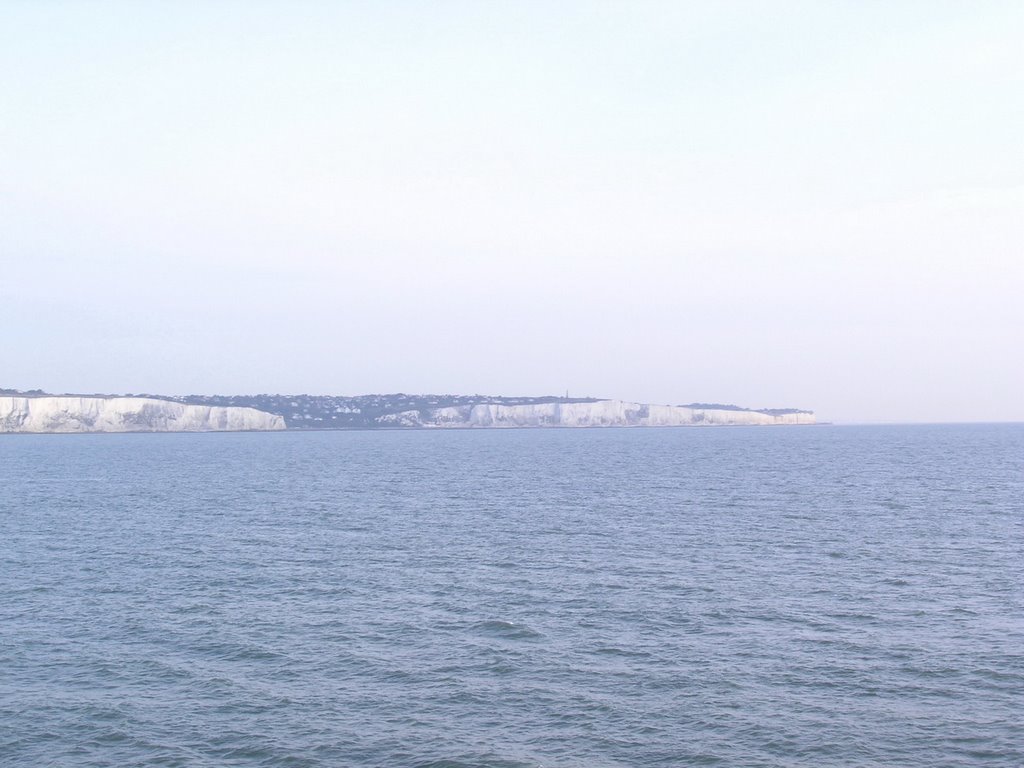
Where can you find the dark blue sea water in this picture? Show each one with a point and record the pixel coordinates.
(825, 596)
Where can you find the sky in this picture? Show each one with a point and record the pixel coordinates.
(773, 204)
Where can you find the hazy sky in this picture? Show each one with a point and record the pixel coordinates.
(813, 204)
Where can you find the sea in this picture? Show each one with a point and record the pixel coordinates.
(744, 596)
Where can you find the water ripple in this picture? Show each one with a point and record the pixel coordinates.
(735, 597)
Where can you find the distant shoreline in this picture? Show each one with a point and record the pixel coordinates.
(39, 412)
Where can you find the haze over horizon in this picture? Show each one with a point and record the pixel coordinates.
(798, 204)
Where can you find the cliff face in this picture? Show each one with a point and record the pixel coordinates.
(72, 413)
(126, 414)
(602, 413)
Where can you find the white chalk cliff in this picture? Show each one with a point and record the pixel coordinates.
(127, 414)
(602, 413)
